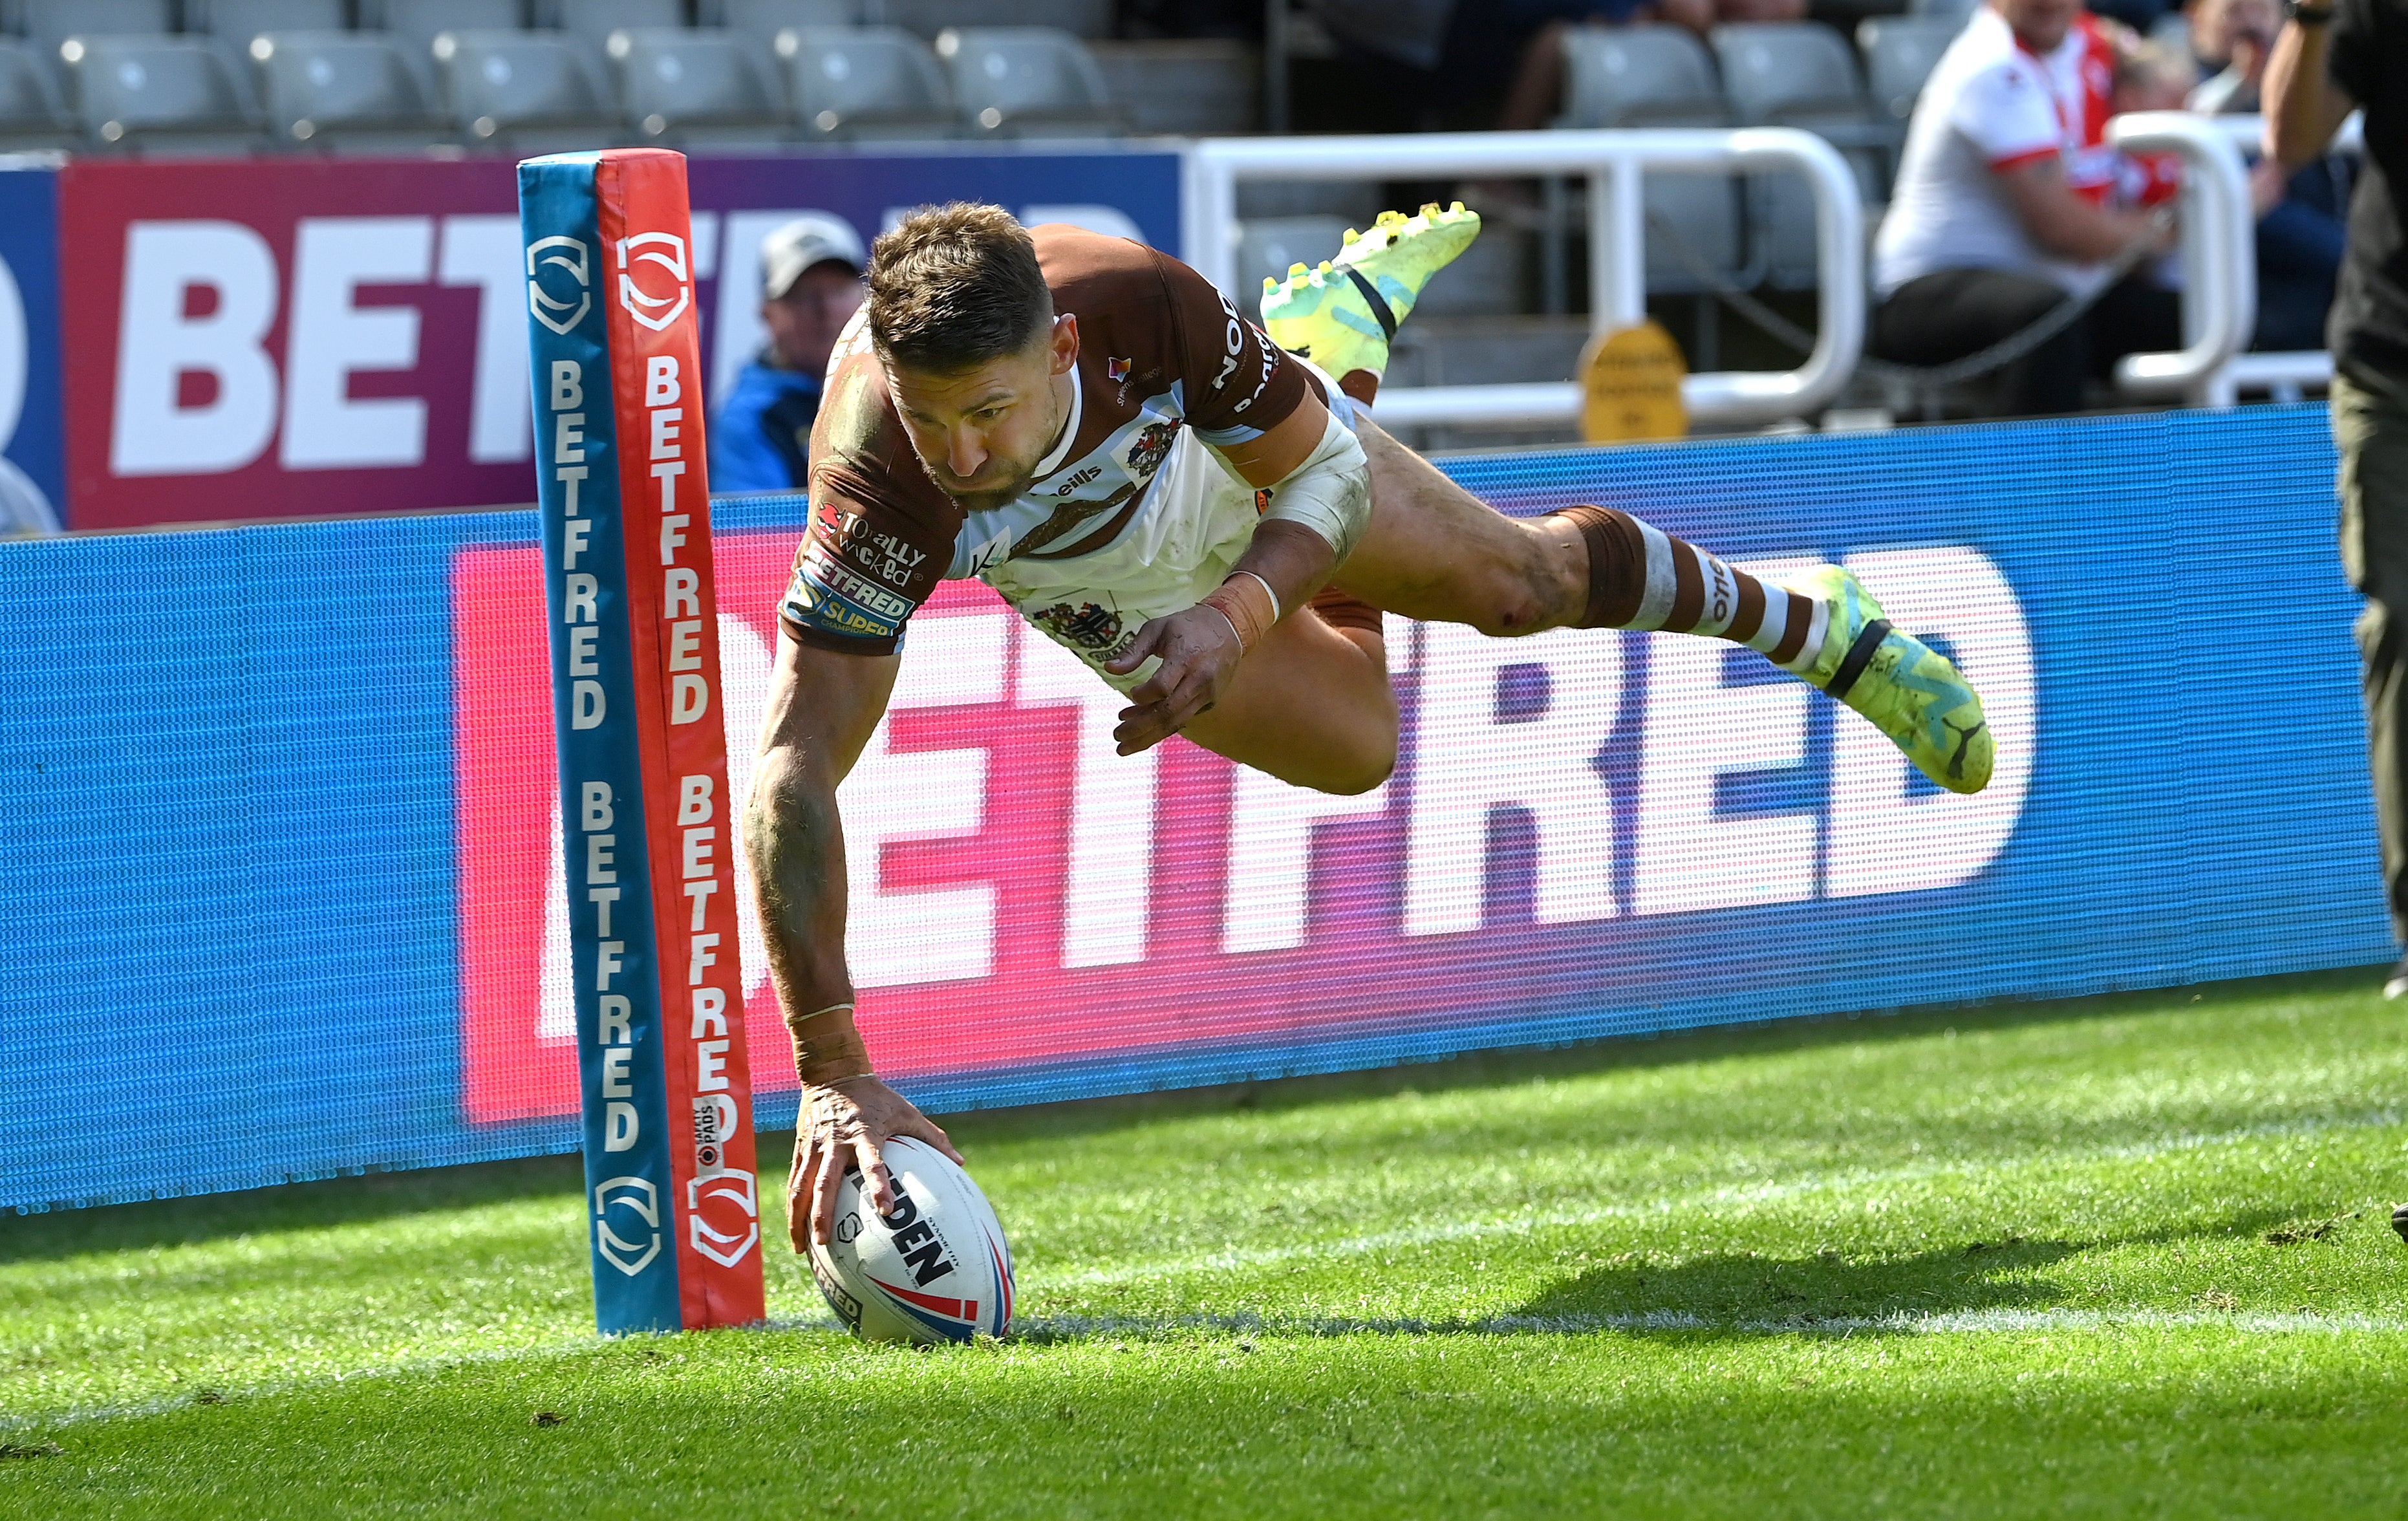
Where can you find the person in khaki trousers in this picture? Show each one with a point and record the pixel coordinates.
(2332, 57)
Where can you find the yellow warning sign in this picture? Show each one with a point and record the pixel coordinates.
(1630, 385)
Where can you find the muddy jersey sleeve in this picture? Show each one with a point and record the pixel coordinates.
(881, 534)
(1239, 385)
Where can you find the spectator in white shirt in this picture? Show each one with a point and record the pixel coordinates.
(1998, 212)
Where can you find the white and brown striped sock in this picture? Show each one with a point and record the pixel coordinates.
(1643, 577)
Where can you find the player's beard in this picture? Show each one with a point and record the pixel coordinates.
(983, 498)
(1012, 478)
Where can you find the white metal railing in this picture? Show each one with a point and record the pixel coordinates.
(2285, 373)
(2218, 254)
(1612, 162)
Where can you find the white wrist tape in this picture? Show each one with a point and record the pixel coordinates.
(1330, 493)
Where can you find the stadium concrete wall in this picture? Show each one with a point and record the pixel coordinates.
(283, 880)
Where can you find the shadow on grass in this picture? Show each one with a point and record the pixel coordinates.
(1726, 1294)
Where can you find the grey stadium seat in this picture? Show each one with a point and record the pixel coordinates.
(1900, 54)
(1024, 82)
(698, 88)
(864, 82)
(932, 19)
(766, 19)
(533, 91)
(1799, 74)
(159, 93)
(591, 21)
(342, 89)
(419, 23)
(239, 21)
(1959, 11)
(1659, 76)
(416, 23)
(32, 115)
(48, 23)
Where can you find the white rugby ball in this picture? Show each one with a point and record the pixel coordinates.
(934, 1268)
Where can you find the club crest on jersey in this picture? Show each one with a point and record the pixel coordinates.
(1151, 447)
(1086, 626)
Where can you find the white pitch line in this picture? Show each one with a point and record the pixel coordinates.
(1230, 1258)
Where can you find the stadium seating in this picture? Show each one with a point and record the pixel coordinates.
(698, 88)
(1899, 52)
(591, 21)
(1798, 74)
(932, 19)
(1952, 10)
(1019, 81)
(342, 91)
(764, 19)
(1659, 76)
(45, 24)
(864, 82)
(32, 116)
(418, 23)
(237, 21)
(159, 93)
(529, 91)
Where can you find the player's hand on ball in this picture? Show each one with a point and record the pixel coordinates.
(1199, 653)
(843, 1123)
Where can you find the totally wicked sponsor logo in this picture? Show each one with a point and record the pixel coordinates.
(1578, 818)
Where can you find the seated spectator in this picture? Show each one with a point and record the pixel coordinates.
(2301, 217)
(1996, 216)
(1500, 63)
(810, 285)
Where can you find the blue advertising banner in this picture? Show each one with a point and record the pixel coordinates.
(282, 869)
(32, 429)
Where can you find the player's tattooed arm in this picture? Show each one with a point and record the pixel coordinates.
(822, 708)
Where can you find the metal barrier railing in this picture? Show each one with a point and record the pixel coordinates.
(2284, 373)
(2219, 257)
(1612, 162)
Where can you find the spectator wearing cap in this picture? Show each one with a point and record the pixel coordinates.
(1998, 212)
(810, 286)
(2331, 57)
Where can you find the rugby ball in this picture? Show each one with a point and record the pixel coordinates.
(934, 1268)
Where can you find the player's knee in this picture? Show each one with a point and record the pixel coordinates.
(1362, 774)
(1367, 757)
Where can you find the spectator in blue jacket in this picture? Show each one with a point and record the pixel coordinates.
(810, 285)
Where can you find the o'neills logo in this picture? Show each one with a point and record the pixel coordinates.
(569, 293)
(665, 250)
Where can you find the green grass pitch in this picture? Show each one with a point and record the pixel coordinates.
(2119, 1257)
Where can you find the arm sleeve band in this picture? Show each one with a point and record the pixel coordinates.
(1330, 493)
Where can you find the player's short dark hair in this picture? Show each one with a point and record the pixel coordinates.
(955, 286)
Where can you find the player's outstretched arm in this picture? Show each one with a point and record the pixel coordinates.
(1280, 571)
(823, 708)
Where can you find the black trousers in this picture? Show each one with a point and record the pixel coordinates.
(2369, 424)
(1950, 313)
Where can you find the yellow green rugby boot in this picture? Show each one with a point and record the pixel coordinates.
(1342, 315)
(1910, 691)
